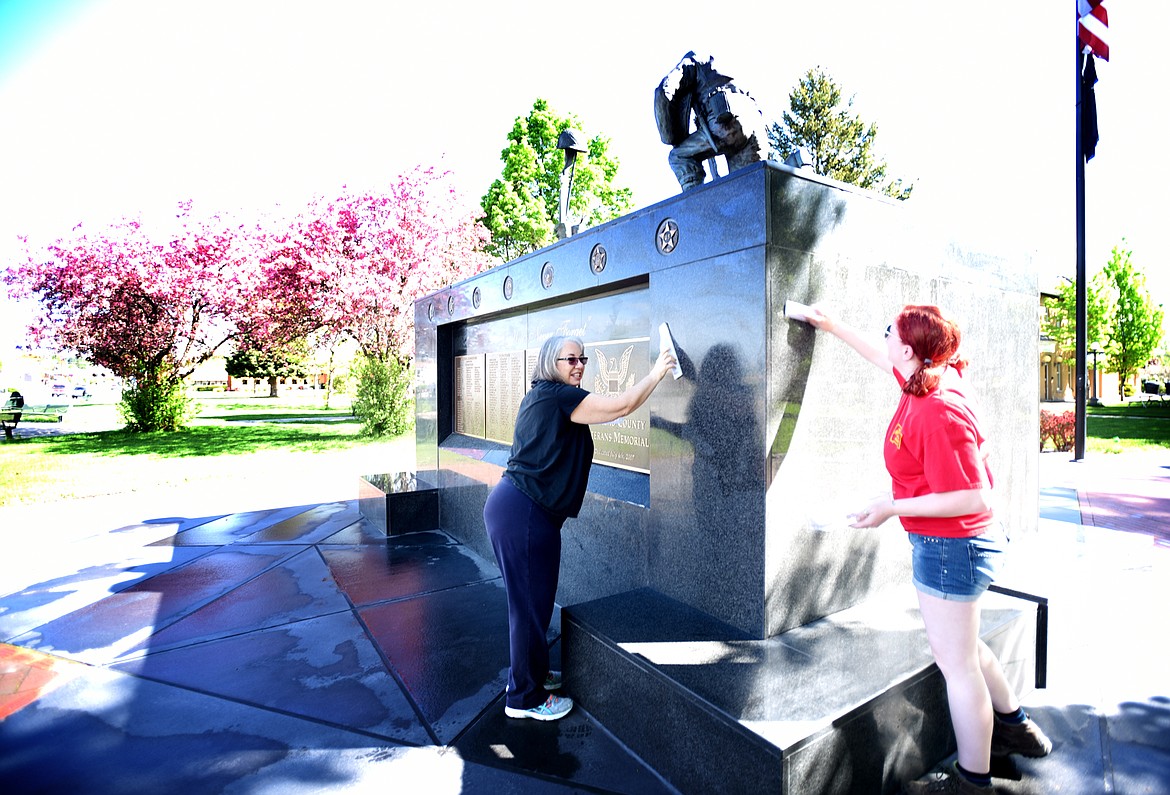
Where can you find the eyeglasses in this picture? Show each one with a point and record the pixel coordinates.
(889, 330)
(572, 360)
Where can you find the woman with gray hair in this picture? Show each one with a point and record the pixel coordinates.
(544, 484)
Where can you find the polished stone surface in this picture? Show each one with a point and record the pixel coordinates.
(41, 603)
(769, 439)
(848, 704)
(229, 529)
(109, 733)
(453, 667)
(306, 649)
(298, 588)
(309, 526)
(321, 668)
(573, 748)
(102, 631)
(398, 502)
(69, 727)
(369, 575)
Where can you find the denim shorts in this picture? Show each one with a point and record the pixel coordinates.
(959, 569)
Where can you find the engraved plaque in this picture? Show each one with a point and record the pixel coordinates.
(614, 366)
(470, 417)
(505, 390)
(489, 390)
(507, 288)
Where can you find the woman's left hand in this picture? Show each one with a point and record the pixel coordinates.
(874, 514)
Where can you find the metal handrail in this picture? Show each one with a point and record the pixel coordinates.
(1041, 629)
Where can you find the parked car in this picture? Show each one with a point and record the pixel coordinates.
(58, 390)
(80, 392)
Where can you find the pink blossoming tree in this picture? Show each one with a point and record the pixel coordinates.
(354, 266)
(149, 310)
(152, 307)
(366, 257)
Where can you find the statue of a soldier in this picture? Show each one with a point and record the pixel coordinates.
(728, 120)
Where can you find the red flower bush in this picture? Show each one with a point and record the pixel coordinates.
(1059, 428)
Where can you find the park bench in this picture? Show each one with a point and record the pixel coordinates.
(12, 413)
(1152, 389)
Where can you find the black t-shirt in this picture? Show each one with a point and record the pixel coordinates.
(551, 454)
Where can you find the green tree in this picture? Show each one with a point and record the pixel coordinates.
(521, 208)
(270, 363)
(1135, 327)
(382, 401)
(1059, 322)
(840, 143)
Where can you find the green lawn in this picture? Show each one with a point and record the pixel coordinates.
(233, 439)
(1128, 426)
(228, 441)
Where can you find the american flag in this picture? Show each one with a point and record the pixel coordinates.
(1092, 27)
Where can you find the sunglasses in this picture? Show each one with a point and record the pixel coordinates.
(572, 360)
(889, 330)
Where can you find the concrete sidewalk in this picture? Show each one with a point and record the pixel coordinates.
(167, 647)
(1102, 557)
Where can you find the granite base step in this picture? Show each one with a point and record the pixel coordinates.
(398, 502)
(851, 703)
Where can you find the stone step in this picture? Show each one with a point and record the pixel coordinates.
(851, 703)
(398, 502)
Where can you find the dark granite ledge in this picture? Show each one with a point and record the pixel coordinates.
(850, 686)
(607, 481)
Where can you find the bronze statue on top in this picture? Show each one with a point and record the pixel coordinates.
(728, 120)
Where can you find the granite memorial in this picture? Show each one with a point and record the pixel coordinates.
(711, 568)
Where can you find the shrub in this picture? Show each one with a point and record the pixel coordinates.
(382, 401)
(1059, 428)
(155, 405)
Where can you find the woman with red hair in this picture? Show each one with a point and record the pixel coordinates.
(942, 494)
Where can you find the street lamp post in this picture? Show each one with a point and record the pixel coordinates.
(573, 143)
(1047, 359)
(1096, 349)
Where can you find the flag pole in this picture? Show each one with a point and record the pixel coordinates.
(1081, 311)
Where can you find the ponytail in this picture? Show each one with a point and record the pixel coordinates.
(934, 340)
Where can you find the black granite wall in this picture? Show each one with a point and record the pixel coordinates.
(774, 433)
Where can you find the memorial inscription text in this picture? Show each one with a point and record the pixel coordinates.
(489, 388)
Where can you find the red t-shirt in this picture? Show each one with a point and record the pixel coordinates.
(934, 445)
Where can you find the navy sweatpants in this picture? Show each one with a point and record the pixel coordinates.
(527, 543)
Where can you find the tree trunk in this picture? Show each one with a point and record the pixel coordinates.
(329, 379)
(272, 386)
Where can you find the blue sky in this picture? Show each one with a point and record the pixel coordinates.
(114, 107)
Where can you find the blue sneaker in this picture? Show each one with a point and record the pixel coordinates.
(553, 681)
(553, 708)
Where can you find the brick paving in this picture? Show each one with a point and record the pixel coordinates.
(1133, 513)
(26, 675)
(1128, 492)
